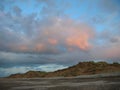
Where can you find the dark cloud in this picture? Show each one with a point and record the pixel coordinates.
(17, 59)
(109, 5)
(115, 40)
(17, 10)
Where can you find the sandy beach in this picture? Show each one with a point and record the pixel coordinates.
(84, 82)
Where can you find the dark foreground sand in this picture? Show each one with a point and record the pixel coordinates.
(87, 82)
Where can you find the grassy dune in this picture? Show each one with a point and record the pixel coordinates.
(82, 68)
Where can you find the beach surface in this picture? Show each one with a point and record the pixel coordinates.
(84, 82)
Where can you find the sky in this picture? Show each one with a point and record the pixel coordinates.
(47, 35)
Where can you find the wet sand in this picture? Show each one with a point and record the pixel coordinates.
(85, 82)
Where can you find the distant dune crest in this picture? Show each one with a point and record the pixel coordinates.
(82, 68)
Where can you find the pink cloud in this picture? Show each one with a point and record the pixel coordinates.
(39, 47)
(69, 33)
(80, 41)
(52, 41)
(65, 32)
(23, 48)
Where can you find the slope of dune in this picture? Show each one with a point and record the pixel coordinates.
(82, 68)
